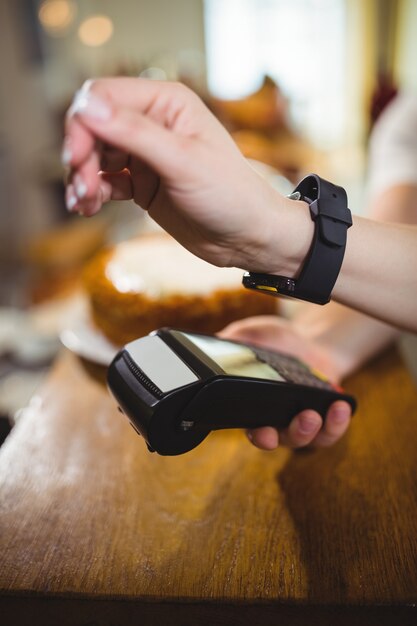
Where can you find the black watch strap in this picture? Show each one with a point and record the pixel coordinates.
(329, 211)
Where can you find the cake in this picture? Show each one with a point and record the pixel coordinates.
(152, 281)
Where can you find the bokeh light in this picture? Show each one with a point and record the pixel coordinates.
(56, 16)
(95, 30)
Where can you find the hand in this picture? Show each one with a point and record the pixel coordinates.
(157, 143)
(306, 428)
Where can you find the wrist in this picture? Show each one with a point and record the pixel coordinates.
(285, 238)
(322, 251)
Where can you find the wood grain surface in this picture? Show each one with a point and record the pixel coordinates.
(96, 530)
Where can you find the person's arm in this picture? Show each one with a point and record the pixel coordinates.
(379, 274)
(392, 197)
(334, 338)
(188, 173)
(350, 336)
(307, 428)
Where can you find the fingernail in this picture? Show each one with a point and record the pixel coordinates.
(70, 199)
(80, 187)
(66, 155)
(87, 103)
(71, 202)
(306, 425)
(339, 414)
(249, 435)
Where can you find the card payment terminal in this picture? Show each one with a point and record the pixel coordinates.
(176, 386)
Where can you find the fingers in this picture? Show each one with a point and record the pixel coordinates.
(110, 187)
(120, 185)
(113, 186)
(79, 143)
(88, 206)
(254, 329)
(80, 153)
(133, 133)
(146, 183)
(265, 438)
(85, 193)
(98, 98)
(269, 331)
(306, 429)
(335, 425)
(276, 333)
(113, 160)
(159, 99)
(134, 115)
(302, 430)
(156, 123)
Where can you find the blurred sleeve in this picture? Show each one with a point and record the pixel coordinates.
(393, 146)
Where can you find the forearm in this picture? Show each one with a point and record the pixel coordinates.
(350, 337)
(378, 275)
(186, 171)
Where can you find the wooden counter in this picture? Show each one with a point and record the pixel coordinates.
(96, 530)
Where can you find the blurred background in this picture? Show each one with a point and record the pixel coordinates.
(299, 84)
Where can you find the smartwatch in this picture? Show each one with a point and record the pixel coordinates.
(332, 218)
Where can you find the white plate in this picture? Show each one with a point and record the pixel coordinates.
(86, 341)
